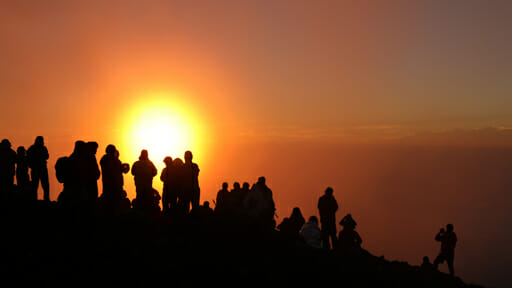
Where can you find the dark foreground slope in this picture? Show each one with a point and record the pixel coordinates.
(41, 246)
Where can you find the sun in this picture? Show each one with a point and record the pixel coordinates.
(164, 127)
(161, 133)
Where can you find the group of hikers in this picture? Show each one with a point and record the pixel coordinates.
(323, 235)
(16, 165)
(80, 172)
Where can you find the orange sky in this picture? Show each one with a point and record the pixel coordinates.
(286, 89)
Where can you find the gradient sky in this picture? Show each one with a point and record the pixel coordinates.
(266, 85)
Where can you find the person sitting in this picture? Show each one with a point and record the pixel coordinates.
(291, 225)
(348, 237)
(311, 233)
(426, 265)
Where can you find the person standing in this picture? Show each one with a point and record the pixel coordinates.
(7, 171)
(327, 206)
(169, 193)
(93, 174)
(260, 206)
(37, 157)
(112, 179)
(448, 241)
(190, 182)
(143, 171)
(22, 177)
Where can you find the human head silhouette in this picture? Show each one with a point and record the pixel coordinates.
(6, 143)
(188, 156)
(177, 162)
(245, 186)
(125, 168)
(79, 147)
(236, 186)
(92, 147)
(144, 155)
(168, 161)
(111, 149)
(262, 180)
(313, 219)
(348, 221)
(206, 204)
(449, 227)
(21, 150)
(329, 191)
(225, 186)
(39, 141)
(296, 211)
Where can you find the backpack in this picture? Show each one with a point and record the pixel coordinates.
(62, 169)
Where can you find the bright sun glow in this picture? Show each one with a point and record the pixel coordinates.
(163, 127)
(161, 132)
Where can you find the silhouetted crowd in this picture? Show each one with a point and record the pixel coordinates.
(244, 204)
(79, 173)
(16, 164)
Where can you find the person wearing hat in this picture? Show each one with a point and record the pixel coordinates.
(348, 237)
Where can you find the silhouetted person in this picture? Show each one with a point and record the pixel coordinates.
(75, 173)
(93, 174)
(112, 178)
(426, 265)
(311, 234)
(297, 220)
(190, 182)
(169, 196)
(292, 225)
(285, 228)
(75, 193)
(205, 209)
(349, 238)
(236, 188)
(236, 196)
(22, 178)
(143, 171)
(327, 206)
(203, 213)
(176, 179)
(448, 241)
(221, 205)
(7, 170)
(63, 173)
(37, 157)
(246, 187)
(260, 205)
(155, 202)
(348, 221)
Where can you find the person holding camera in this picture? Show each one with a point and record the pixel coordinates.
(448, 241)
